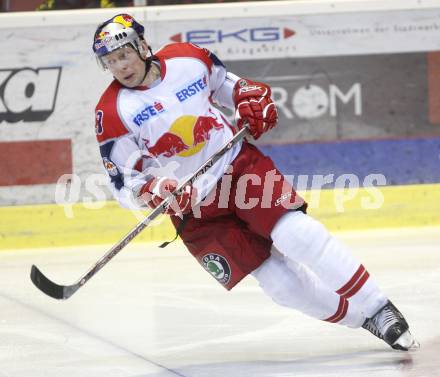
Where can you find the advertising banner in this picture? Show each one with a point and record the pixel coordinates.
(348, 75)
(356, 97)
(49, 84)
(306, 35)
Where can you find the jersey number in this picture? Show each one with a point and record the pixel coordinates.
(99, 129)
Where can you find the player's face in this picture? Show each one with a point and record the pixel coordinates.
(126, 66)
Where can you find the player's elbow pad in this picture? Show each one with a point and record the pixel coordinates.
(223, 95)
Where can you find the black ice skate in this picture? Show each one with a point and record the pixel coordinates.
(389, 325)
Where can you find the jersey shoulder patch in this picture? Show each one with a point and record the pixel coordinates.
(186, 50)
(108, 124)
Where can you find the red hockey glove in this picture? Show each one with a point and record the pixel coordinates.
(157, 189)
(254, 106)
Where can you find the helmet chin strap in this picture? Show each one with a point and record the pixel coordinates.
(148, 62)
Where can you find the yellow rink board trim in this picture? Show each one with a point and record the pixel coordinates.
(52, 225)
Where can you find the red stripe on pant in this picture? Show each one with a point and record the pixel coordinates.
(355, 283)
(341, 312)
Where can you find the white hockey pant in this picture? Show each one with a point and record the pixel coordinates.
(316, 274)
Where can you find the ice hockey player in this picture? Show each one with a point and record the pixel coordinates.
(156, 124)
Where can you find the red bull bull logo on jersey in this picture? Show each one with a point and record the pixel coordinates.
(186, 136)
(203, 127)
(167, 145)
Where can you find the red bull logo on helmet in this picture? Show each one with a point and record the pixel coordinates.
(124, 19)
(102, 44)
(187, 136)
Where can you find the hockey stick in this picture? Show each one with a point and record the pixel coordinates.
(63, 292)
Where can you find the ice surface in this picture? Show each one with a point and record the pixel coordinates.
(156, 313)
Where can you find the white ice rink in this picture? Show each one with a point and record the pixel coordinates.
(156, 313)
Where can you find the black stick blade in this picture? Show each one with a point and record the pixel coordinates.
(47, 286)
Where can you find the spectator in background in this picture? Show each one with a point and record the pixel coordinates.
(82, 4)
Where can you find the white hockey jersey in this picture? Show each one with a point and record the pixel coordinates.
(170, 129)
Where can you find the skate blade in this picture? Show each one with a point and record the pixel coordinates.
(406, 342)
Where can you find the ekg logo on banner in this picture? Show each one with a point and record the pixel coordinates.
(245, 35)
(28, 94)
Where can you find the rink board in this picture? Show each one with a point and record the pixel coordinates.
(339, 70)
(53, 225)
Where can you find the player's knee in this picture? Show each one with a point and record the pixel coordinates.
(300, 237)
(278, 282)
(282, 293)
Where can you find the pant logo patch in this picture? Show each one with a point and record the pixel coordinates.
(218, 267)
